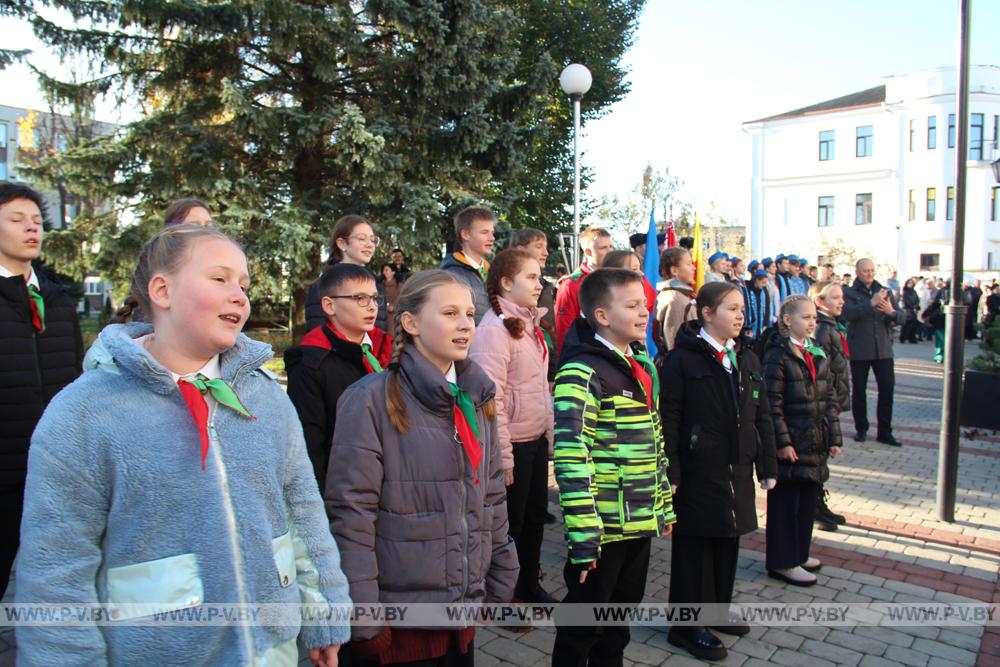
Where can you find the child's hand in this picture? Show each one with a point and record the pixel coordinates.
(325, 656)
(788, 454)
(673, 489)
(834, 452)
(592, 565)
(768, 484)
(508, 477)
(666, 531)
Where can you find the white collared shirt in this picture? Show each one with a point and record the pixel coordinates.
(367, 340)
(796, 343)
(718, 347)
(604, 341)
(452, 375)
(32, 279)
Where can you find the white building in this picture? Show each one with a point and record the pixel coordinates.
(874, 172)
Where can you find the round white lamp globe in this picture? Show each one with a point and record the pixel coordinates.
(575, 80)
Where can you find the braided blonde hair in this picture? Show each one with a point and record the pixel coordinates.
(412, 298)
(790, 306)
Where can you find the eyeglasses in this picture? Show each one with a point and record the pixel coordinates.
(363, 300)
(374, 240)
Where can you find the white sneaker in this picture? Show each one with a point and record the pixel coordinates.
(795, 576)
(811, 564)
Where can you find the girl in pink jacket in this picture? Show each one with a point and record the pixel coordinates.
(510, 347)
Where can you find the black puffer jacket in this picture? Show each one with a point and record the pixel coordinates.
(33, 367)
(805, 413)
(828, 337)
(715, 434)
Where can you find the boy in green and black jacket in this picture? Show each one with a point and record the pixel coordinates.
(609, 460)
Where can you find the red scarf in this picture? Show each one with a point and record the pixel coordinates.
(467, 428)
(842, 330)
(540, 335)
(809, 361)
(644, 379)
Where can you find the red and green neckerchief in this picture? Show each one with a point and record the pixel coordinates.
(193, 390)
(37, 304)
(842, 330)
(727, 352)
(467, 428)
(367, 357)
(543, 340)
(809, 351)
(644, 372)
(484, 268)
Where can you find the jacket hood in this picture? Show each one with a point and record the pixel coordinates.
(529, 314)
(450, 261)
(675, 284)
(689, 338)
(580, 340)
(117, 349)
(430, 387)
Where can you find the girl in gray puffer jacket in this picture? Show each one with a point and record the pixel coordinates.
(415, 485)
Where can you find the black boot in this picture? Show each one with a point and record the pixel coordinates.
(824, 515)
(697, 641)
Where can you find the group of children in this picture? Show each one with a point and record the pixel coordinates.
(175, 471)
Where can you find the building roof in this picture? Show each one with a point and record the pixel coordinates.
(865, 98)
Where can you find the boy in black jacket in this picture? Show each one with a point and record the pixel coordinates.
(332, 357)
(41, 353)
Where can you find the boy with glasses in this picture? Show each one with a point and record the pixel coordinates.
(335, 355)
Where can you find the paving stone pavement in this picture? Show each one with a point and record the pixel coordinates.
(893, 549)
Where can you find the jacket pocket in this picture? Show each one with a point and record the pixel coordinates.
(284, 558)
(411, 550)
(156, 586)
(513, 405)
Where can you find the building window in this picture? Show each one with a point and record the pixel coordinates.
(949, 211)
(976, 137)
(930, 262)
(825, 212)
(3, 151)
(951, 130)
(913, 135)
(863, 209)
(996, 134)
(865, 141)
(989, 261)
(826, 145)
(995, 205)
(931, 132)
(931, 204)
(912, 211)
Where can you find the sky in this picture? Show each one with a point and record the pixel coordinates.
(698, 70)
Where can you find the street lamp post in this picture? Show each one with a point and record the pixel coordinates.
(955, 310)
(575, 80)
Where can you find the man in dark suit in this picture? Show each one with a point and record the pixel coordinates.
(871, 311)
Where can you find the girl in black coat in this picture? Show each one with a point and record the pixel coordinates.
(831, 335)
(717, 428)
(807, 429)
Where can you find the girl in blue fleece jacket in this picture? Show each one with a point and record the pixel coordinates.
(174, 474)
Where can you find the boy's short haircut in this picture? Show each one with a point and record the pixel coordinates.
(11, 191)
(338, 274)
(591, 234)
(595, 290)
(468, 215)
(522, 237)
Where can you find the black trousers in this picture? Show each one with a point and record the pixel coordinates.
(619, 578)
(11, 507)
(908, 333)
(703, 569)
(791, 509)
(885, 379)
(527, 501)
